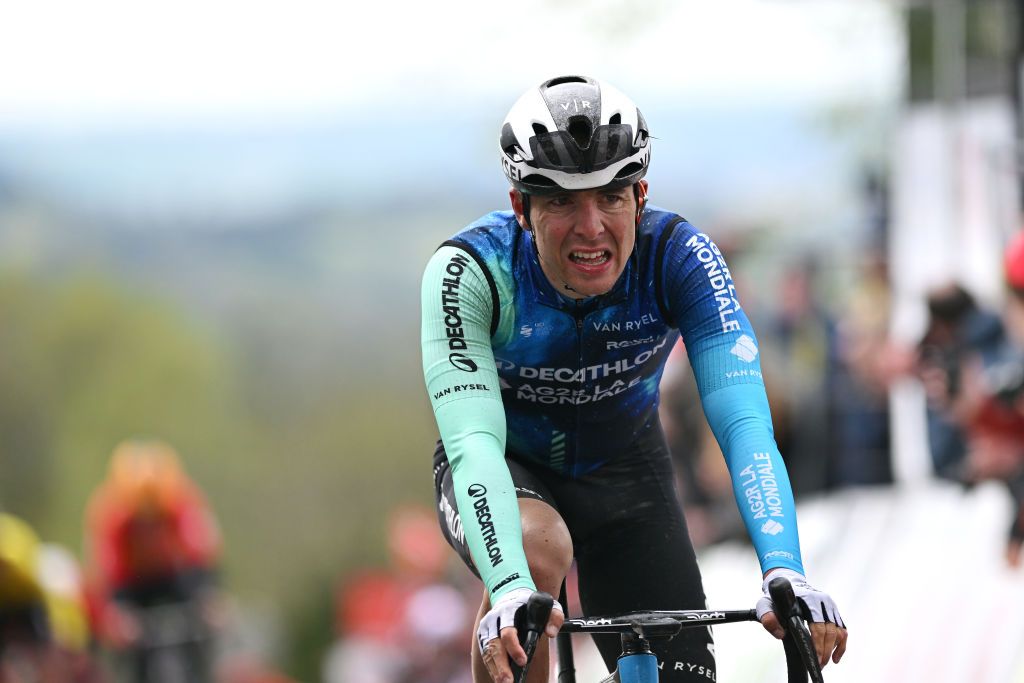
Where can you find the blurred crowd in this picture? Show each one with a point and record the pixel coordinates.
(829, 368)
(144, 605)
(971, 364)
(828, 364)
(410, 621)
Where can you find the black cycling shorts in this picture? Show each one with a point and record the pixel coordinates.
(632, 548)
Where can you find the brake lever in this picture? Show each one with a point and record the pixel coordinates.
(797, 635)
(530, 621)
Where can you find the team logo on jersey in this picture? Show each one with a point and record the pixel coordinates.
(462, 362)
(486, 523)
(719, 278)
(745, 349)
(772, 528)
(452, 315)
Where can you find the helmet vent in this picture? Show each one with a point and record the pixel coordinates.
(565, 79)
(539, 129)
(629, 169)
(580, 130)
(539, 181)
(615, 119)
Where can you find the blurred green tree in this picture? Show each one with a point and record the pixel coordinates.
(83, 365)
(301, 474)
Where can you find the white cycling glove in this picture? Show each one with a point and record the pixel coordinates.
(503, 615)
(818, 604)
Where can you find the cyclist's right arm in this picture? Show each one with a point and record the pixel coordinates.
(462, 381)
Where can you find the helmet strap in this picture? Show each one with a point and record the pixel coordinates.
(526, 210)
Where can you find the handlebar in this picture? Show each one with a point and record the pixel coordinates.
(658, 624)
(801, 657)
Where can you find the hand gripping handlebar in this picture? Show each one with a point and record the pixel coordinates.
(801, 657)
(531, 619)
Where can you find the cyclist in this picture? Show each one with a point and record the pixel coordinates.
(545, 330)
(25, 633)
(152, 540)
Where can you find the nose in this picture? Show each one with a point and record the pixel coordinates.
(589, 221)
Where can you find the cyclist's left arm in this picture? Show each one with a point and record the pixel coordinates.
(723, 351)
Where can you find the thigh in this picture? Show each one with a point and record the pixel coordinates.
(650, 567)
(527, 484)
(637, 555)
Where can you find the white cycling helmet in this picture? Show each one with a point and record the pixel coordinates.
(574, 133)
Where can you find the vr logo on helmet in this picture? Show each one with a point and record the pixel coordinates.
(579, 104)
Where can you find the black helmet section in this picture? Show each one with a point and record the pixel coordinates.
(574, 133)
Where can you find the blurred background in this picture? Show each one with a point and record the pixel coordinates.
(213, 221)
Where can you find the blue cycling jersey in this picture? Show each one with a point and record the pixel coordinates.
(578, 380)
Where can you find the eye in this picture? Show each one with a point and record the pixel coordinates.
(560, 200)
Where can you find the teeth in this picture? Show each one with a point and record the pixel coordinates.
(591, 257)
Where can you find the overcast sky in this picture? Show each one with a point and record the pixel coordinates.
(70, 62)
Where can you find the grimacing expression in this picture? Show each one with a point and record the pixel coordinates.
(584, 238)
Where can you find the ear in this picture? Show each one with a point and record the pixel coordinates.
(516, 198)
(641, 200)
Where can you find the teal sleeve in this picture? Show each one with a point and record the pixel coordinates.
(740, 419)
(462, 381)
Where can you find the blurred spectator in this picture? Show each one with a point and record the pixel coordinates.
(61, 579)
(24, 625)
(153, 547)
(973, 373)
(867, 364)
(43, 633)
(21, 596)
(960, 341)
(702, 478)
(403, 624)
(1007, 381)
(247, 668)
(798, 344)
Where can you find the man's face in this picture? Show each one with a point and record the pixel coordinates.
(584, 238)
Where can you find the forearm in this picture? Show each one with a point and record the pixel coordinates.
(487, 503)
(740, 419)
